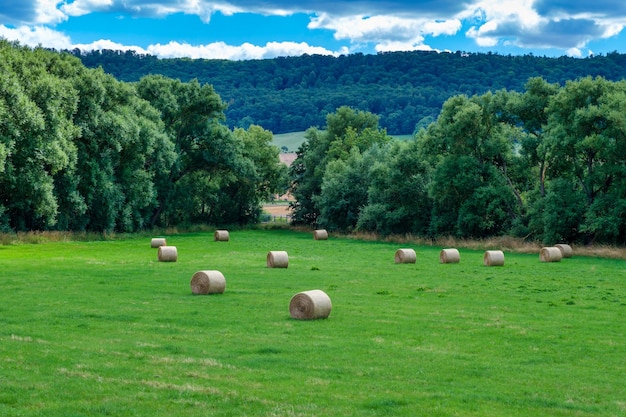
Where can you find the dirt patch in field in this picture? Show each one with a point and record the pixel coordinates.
(277, 209)
(287, 158)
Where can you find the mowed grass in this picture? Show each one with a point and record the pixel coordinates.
(103, 329)
(293, 140)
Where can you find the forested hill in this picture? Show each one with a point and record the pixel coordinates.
(404, 89)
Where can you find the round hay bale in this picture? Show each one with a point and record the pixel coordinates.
(221, 236)
(208, 282)
(493, 258)
(550, 254)
(310, 305)
(277, 259)
(168, 254)
(566, 250)
(449, 256)
(320, 234)
(157, 242)
(405, 256)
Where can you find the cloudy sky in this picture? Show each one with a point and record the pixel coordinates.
(255, 29)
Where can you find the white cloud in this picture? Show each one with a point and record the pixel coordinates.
(40, 35)
(388, 33)
(46, 11)
(569, 26)
(35, 36)
(83, 7)
(221, 50)
(496, 19)
(108, 44)
(401, 46)
(574, 52)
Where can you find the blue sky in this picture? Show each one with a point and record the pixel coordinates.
(257, 29)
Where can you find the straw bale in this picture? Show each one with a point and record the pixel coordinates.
(550, 254)
(405, 256)
(208, 282)
(320, 234)
(310, 305)
(158, 242)
(277, 259)
(168, 254)
(221, 236)
(493, 258)
(566, 250)
(449, 256)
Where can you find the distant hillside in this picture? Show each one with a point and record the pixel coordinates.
(404, 88)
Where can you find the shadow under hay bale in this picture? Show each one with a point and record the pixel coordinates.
(566, 250)
(493, 258)
(208, 282)
(157, 242)
(449, 256)
(222, 236)
(320, 234)
(310, 305)
(405, 256)
(167, 254)
(550, 254)
(277, 259)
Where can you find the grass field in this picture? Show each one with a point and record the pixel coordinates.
(293, 140)
(101, 328)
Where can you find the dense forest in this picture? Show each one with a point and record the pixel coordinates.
(405, 89)
(548, 164)
(80, 150)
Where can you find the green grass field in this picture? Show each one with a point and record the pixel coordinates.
(293, 140)
(102, 329)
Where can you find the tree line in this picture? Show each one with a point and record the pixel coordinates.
(405, 89)
(80, 150)
(547, 163)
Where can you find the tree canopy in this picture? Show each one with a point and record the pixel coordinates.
(405, 89)
(80, 150)
(547, 163)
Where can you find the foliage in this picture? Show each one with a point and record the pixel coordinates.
(405, 89)
(80, 150)
(347, 131)
(545, 164)
(397, 198)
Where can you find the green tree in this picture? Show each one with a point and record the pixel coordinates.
(343, 192)
(36, 134)
(191, 114)
(346, 129)
(586, 143)
(122, 149)
(397, 198)
(470, 153)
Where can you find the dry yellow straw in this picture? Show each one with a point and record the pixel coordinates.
(208, 282)
(320, 234)
(550, 254)
(221, 236)
(493, 258)
(277, 259)
(157, 242)
(566, 250)
(405, 256)
(449, 256)
(168, 254)
(309, 305)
